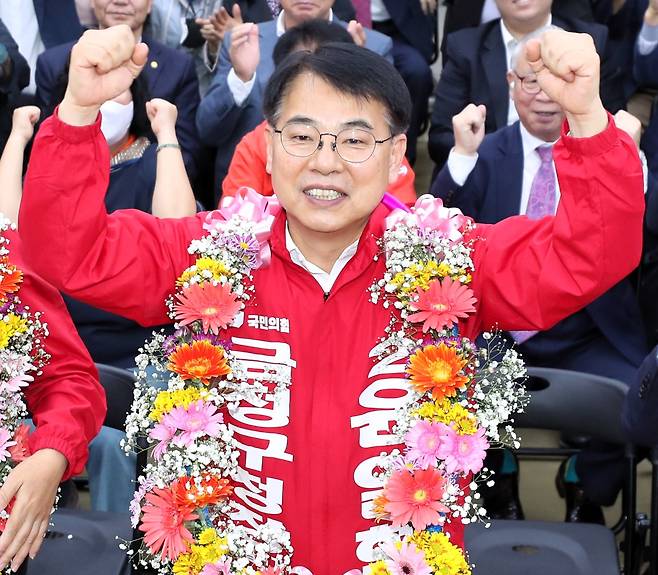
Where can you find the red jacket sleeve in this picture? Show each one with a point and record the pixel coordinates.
(248, 165)
(66, 401)
(126, 262)
(531, 274)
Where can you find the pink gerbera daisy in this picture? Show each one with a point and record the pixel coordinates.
(164, 433)
(423, 441)
(5, 443)
(416, 497)
(199, 418)
(442, 304)
(406, 560)
(214, 305)
(163, 524)
(463, 453)
(218, 568)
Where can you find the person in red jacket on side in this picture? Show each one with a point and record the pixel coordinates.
(65, 399)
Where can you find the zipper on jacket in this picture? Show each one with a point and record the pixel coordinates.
(326, 296)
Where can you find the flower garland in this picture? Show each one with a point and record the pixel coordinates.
(461, 397)
(22, 356)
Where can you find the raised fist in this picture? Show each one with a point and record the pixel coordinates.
(162, 115)
(468, 128)
(23, 121)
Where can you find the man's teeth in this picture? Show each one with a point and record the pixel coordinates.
(322, 194)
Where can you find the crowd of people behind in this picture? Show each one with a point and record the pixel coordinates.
(191, 130)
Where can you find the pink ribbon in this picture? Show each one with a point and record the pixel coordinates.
(429, 213)
(251, 206)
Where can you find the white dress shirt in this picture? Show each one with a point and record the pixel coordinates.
(21, 21)
(378, 11)
(241, 90)
(461, 166)
(326, 280)
(647, 39)
(489, 12)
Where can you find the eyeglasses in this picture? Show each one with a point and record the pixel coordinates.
(529, 83)
(351, 144)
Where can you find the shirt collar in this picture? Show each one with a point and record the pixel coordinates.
(280, 22)
(297, 257)
(510, 41)
(530, 143)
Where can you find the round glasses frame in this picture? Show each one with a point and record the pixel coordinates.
(336, 145)
(529, 83)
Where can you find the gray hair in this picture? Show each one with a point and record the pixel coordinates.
(519, 49)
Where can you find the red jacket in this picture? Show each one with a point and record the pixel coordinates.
(248, 169)
(309, 462)
(66, 402)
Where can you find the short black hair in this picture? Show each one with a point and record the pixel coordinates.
(350, 69)
(310, 34)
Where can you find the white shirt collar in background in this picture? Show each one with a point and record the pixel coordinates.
(281, 27)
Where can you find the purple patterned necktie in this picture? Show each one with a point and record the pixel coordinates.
(541, 202)
(275, 7)
(363, 12)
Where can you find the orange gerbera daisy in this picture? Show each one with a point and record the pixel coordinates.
(202, 360)
(379, 508)
(209, 491)
(10, 277)
(437, 368)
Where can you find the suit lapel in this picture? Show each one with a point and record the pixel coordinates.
(510, 176)
(154, 64)
(495, 70)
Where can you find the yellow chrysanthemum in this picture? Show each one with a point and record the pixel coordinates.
(165, 401)
(188, 564)
(207, 536)
(216, 268)
(4, 334)
(459, 418)
(443, 557)
(16, 323)
(379, 568)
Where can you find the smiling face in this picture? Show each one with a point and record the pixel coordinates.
(297, 11)
(325, 197)
(114, 12)
(540, 115)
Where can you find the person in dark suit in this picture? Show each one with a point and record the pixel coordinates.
(640, 413)
(477, 60)
(410, 28)
(14, 76)
(36, 26)
(233, 105)
(511, 172)
(169, 74)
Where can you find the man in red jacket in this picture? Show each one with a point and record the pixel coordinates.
(68, 407)
(309, 461)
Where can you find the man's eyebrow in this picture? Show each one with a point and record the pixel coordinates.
(356, 123)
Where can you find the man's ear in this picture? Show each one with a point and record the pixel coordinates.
(511, 78)
(398, 148)
(269, 134)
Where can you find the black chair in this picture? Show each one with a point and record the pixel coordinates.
(579, 404)
(85, 542)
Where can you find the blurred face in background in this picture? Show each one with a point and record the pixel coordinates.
(540, 115)
(524, 16)
(297, 11)
(114, 12)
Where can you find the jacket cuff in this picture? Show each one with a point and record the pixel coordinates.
(73, 134)
(594, 145)
(75, 455)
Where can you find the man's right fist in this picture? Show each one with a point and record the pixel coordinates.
(468, 128)
(104, 64)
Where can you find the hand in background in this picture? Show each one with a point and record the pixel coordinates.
(468, 128)
(162, 115)
(23, 122)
